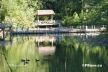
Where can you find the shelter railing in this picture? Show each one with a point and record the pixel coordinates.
(47, 22)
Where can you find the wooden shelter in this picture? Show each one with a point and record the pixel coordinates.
(45, 18)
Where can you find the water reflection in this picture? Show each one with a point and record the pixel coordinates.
(45, 44)
(55, 53)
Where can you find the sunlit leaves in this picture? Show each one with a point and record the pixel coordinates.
(20, 12)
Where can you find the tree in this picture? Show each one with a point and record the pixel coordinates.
(20, 12)
(62, 7)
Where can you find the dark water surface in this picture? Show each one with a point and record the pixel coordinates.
(55, 53)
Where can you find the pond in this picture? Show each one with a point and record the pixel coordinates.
(82, 52)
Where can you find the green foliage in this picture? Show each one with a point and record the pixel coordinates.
(71, 12)
(104, 14)
(74, 12)
(20, 12)
(63, 7)
(72, 20)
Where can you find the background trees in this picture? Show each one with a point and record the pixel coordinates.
(75, 12)
(19, 12)
(71, 12)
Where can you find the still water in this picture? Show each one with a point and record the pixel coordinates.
(55, 53)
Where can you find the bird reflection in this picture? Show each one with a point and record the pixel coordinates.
(25, 61)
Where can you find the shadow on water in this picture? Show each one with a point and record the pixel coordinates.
(55, 53)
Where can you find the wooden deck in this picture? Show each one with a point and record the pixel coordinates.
(59, 30)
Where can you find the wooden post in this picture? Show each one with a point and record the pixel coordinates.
(38, 28)
(52, 17)
(3, 34)
(80, 27)
(86, 36)
(10, 32)
(52, 42)
(38, 18)
(86, 27)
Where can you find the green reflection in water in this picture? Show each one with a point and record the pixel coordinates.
(23, 56)
(75, 53)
